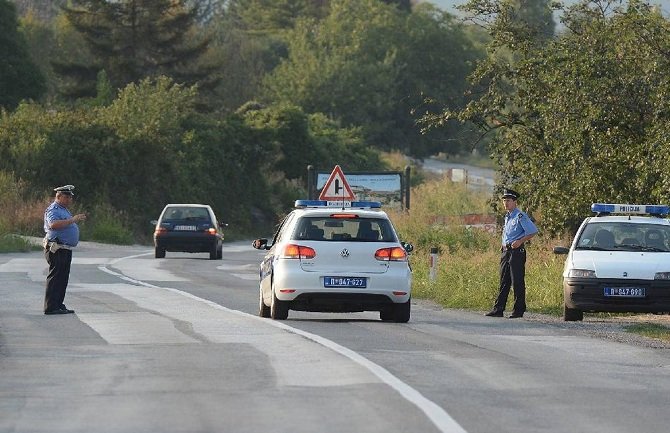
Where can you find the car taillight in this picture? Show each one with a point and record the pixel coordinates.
(391, 254)
(293, 251)
(160, 230)
(344, 215)
(211, 231)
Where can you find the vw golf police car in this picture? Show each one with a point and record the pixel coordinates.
(335, 259)
(618, 262)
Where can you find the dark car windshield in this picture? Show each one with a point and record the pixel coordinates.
(185, 213)
(344, 229)
(624, 236)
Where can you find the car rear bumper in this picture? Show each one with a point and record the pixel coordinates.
(588, 295)
(187, 242)
(307, 292)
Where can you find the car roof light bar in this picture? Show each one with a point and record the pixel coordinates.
(339, 204)
(602, 209)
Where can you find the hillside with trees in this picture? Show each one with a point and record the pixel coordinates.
(227, 101)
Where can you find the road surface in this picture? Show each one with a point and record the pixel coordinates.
(173, 345)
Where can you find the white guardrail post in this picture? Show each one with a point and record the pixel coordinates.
(433, 263)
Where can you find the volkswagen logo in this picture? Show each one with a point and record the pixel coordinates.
(344, 253)
(625, 274)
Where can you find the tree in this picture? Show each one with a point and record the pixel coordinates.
(20, 78)
(535, 16)
(274, 15)
(579, 119)
(43, 9)
(134, 39)
(369, 65)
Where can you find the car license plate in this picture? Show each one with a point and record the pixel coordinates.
(358, 282)
(625, 292)
(185, 228)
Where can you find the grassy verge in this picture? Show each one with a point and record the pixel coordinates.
(468, 258)
(650, 330)
(10, 243)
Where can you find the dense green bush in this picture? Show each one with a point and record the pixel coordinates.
(150, 147)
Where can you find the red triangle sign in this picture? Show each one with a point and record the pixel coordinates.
(337, 187)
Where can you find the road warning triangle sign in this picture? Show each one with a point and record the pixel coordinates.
(337, 187)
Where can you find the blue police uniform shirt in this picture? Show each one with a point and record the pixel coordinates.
(69, 235)
(517, 225)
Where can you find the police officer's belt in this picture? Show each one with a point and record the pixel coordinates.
(508, 247)
(55, 246)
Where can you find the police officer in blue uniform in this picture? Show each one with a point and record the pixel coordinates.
(62, 234)
(517, 230)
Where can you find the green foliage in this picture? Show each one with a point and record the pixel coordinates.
(107, 225)
(151, 108)
(20, 78)
(134, 39)
(104, 90)
(369, 65)
(273, 15)
(435, 218)
(651, 330)
(150, 147)
(11, 243)
(298, 140)
(580, 118)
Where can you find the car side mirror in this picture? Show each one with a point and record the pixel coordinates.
(222, 225)
(407, 246)
(561, 250)
(260, 244)
(153, 222)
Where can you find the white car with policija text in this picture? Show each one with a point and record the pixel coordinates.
(619, 261)
(326, 257)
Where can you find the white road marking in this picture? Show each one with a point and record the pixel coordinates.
(36, 268)
(440, 418)
(180, 319)
(135, 328)
(146, 269)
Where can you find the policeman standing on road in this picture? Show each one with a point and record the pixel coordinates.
(517, 230)
(62, 234)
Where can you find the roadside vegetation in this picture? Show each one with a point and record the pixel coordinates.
(650, 330)
(468, 257)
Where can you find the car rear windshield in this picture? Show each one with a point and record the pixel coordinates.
(623, 236)
(344, 229)
(185, 213)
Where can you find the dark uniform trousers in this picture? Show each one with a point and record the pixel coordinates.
(512, 274)
(59, 275)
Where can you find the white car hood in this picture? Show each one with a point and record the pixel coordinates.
(620, 264)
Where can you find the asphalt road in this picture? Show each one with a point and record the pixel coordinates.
(173, 345)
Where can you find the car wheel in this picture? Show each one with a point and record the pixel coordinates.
(213, 253)
(219, 253)
(159, 253)
(263, 310)
(278, 309)
(572, 314)
(401, 312)
(386, 315)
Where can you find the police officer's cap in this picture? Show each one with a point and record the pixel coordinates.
(510, 193)
(65, 189)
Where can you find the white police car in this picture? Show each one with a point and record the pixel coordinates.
(335, 259)
(618, 263)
